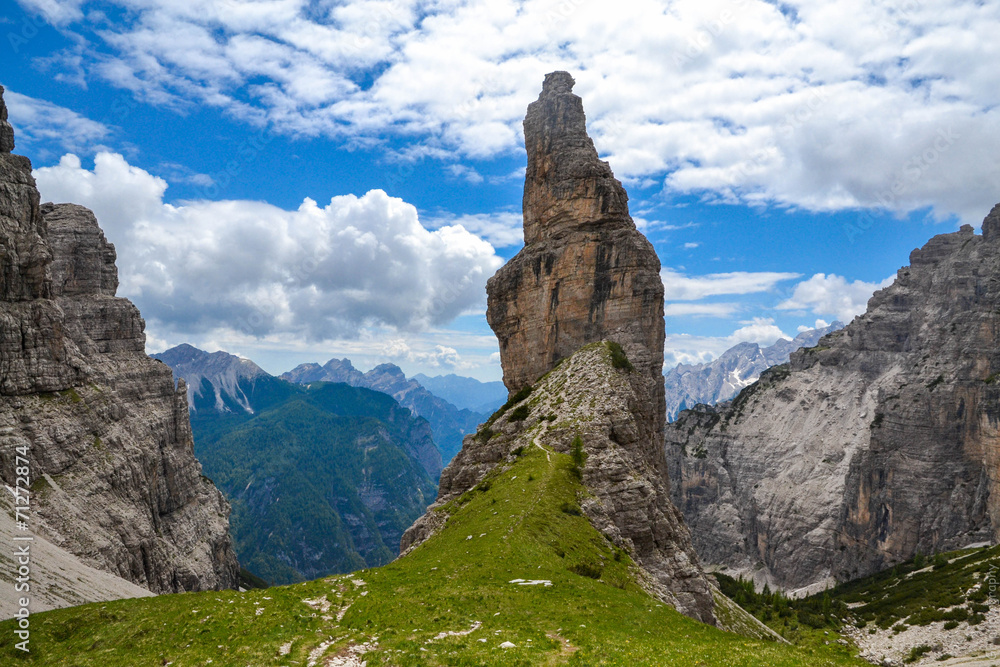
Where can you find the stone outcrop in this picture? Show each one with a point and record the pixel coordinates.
(588, 279)
(585, 273)
(6, 131)
(880, 442)
(114, 477)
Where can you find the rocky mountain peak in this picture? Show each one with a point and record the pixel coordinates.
(6, 131)
(585, 274)
(83, 260)
(566, 187)
(585, 290)
(219, 372)
(991, 225)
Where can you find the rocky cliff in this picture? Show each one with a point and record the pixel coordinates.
(585, 276)
(740, 366)
(878, 443)
(113, 475)
(215, 378)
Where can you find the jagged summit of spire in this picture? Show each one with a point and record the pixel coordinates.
(567, 187)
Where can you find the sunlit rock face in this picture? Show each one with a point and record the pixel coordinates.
(585, 279)
(585, 273)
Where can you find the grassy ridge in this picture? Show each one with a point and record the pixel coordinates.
(518, 524)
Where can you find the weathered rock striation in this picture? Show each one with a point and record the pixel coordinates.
(586, 277)
(114, 477)
(880, 442)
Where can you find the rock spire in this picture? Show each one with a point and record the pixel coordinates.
(585, 273)
(585, 288)
(6, 131)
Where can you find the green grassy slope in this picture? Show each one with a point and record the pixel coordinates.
(522, 522)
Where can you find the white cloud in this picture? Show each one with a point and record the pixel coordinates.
(691, 245)
(700, 309)
(502, 230)
(315, 273)
(688, 349)
(681, 287)
(56, 12)
(466, 173)
(751, 101)
(832, 295)
(39, 121)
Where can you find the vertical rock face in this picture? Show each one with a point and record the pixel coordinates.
(585, 280)
(585, 273)
(114, 477)
(880, 442)
(6, 131)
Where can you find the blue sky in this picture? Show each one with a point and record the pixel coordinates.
(294, 180)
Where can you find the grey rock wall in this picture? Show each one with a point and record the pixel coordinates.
(880, 442)
(114, 477)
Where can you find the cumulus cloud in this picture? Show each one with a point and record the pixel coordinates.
(832, 295)
(41, 122)
(317, 272)
(503, 229)
(752, 101)
(688, 349)
(437, 356)
(681, 287)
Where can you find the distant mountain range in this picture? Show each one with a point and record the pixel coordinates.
(321, 478)
(448, 423)
(740, 366)
(466, 392)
